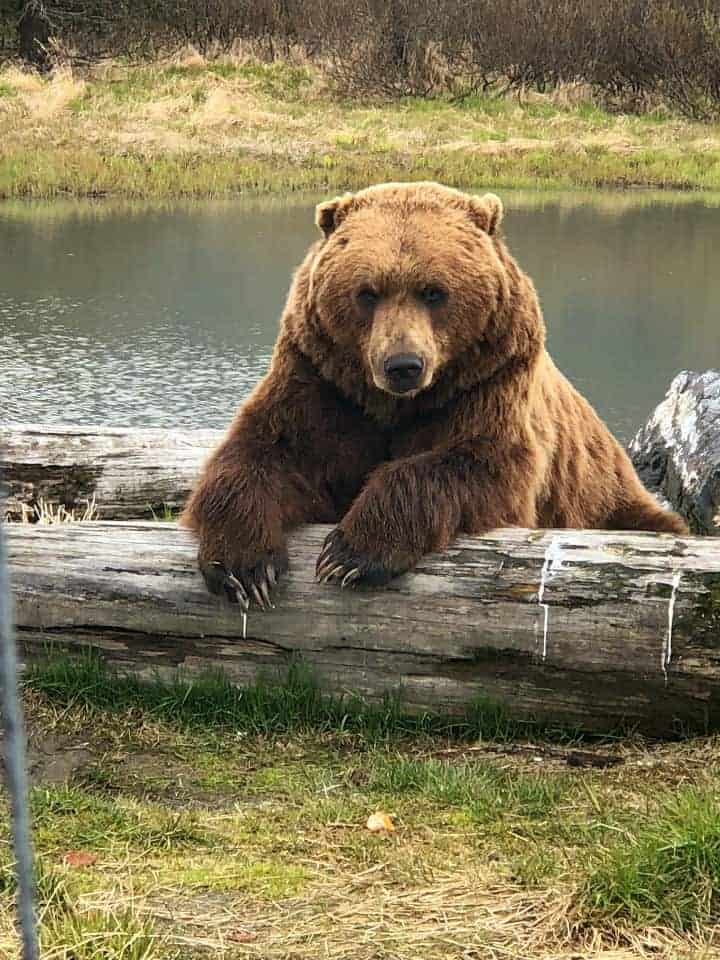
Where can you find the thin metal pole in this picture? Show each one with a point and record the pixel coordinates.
(14, 729)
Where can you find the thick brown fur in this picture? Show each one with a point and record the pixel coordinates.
(493, 435)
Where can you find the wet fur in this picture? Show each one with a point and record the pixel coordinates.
(498, 437)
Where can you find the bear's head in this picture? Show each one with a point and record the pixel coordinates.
(408, 280)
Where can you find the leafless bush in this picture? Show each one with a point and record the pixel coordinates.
(673, 49)
(630, 52)
(393, 48)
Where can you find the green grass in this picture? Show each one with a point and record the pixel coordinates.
(484, 791)
(265, 879)
(594, 114)
(278, 80)
(101, 935)
(217, 129)
(166, 515)
(665, 868)
(62, 172)
(69, 933)
(80, 819)
(295, 705)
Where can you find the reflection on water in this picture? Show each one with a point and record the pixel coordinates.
(158, 317)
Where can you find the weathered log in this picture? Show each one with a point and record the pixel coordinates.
(677, 453)
(128, 473)
(588, 627)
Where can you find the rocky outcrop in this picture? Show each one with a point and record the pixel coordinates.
(677, 453)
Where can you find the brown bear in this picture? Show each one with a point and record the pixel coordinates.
(410, 398)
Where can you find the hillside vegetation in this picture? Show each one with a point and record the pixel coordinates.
(191, 127)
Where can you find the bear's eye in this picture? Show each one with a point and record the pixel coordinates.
(433, 294)
(367, 297)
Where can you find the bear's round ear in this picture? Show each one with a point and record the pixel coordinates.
(487, 212)
(329, 215)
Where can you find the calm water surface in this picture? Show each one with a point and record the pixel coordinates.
(130, 316)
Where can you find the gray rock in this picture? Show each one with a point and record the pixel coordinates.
(677, 452)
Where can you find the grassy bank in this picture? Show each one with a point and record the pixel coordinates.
(195, 129)
(176, 823)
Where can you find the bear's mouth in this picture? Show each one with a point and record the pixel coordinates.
(403, 385)
(401, 395)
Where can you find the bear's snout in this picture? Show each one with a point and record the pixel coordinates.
(402, 352)
(403, 371)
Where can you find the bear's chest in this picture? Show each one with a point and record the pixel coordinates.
(416, 437)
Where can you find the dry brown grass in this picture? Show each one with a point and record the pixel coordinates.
(47, 513)
(454, 917)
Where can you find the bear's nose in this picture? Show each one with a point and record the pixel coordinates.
(403, 370)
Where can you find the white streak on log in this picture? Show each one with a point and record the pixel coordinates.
(667, 647)
(552, 564)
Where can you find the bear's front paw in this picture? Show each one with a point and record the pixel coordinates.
(245, 582)
(341, 563)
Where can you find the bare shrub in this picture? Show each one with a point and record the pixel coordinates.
(630, 52)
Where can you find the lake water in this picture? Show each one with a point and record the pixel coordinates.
(130, 316)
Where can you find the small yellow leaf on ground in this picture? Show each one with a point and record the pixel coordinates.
(379, 822)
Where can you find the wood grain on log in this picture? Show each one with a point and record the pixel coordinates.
(129, 473)
(589, 627)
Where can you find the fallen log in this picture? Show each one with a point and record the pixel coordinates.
(126, 473)
(592, 628)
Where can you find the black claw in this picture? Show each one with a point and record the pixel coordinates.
(257, 597)
(339, 563)
(350, 578)
(234, 582)
(245, 585)
(236, 591)
(336, 571)
(323, 568)
(265, 594)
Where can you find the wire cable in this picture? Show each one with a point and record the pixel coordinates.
(15, 762)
